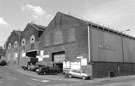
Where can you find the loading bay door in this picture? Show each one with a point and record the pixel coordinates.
(58, 58)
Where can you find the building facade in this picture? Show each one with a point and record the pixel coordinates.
(12, 48)
(29, 44)
(22, 45)
(70, 42)
(107, 52)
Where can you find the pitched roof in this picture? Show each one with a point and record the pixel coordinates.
(38, 27)
(17, 32)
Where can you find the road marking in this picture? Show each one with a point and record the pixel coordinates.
(45, 81)
(1, 82)
(40, 80)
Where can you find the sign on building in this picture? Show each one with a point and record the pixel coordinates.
(41, 57)
(23, 54)
(42, 52)
(80, 57)
(59, 58)
(66, 64)
(84, 62)
(16, 55)
(76, 65)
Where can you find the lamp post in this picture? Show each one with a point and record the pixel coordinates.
(123, 50)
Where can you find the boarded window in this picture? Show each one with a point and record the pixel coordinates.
(47, 39)
(58, 39)
(71, 35)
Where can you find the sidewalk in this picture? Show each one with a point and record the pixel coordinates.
(61, 77)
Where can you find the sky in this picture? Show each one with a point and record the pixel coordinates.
(16, 14)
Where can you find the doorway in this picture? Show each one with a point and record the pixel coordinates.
(32, 56)
(58, 58)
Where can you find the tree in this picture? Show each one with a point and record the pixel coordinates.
(2, 51)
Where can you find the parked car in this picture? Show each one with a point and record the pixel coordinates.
(33, 67)
(3, 63)
(24, 67)
(43, 70)
(48, 70)
(78, 74)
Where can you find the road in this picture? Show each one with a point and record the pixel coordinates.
(10, 77)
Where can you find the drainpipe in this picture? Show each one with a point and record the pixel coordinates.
(122, 53)
(19, 49)
(89, 58)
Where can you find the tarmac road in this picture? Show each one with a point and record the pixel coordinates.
(16, 77)
(9, 77)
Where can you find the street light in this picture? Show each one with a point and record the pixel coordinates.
(123, 49)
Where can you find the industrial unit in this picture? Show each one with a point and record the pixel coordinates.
(30, 42)
(25, 45)
(70, 42)
(12, 48)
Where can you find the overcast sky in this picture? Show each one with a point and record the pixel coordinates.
(15, 14)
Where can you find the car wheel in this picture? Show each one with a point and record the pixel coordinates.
(39, 73)
(83, 77)
(70, 76)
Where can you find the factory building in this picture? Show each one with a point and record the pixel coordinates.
(72, 43)
(97, 49)
(12, 48)
(24, 46)
(30, 42)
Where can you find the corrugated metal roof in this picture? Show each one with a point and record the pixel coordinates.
(97, 25)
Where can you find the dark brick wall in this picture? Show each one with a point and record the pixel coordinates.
(65, 26)
(10, 53)
(28, 32)
(12, 38)
(102, 69)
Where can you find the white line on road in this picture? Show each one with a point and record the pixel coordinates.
(45, 81)
(39, 80)
(1, 82)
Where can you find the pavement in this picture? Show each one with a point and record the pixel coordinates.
(61, 77)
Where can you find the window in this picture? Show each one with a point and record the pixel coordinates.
(71, 35)
(9, 46)
(47, 39)
(15, 44)
(58, 39)
(23, 42)
(32, 39)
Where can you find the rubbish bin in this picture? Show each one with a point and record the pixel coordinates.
(111, 74)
